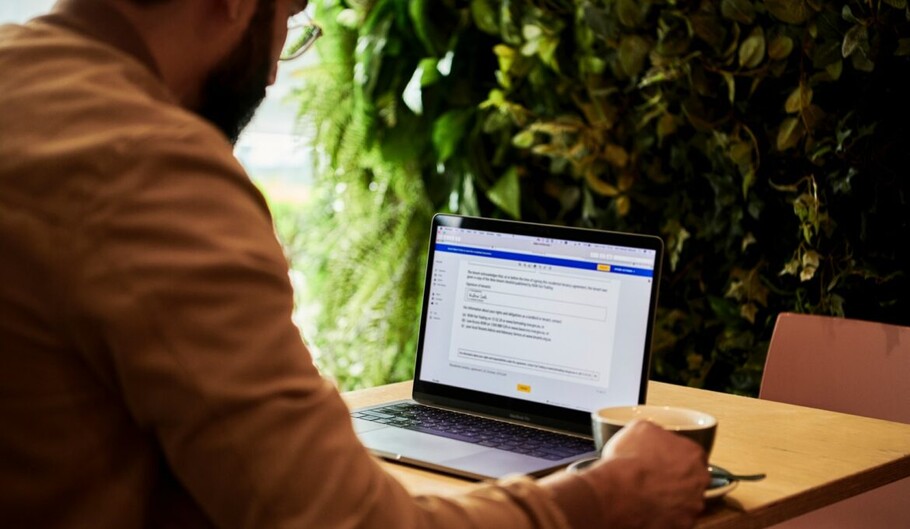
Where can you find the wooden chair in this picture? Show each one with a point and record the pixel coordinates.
(849, 366)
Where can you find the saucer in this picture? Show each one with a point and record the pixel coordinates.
(718, 487)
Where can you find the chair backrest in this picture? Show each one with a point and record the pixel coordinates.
(849, 366)
(838, 364)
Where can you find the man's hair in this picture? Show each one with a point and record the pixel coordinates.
(148, 2)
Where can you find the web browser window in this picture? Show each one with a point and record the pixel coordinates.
(551, 321)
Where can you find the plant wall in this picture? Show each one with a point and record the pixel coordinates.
(765, 141)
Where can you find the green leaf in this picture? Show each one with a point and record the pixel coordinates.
(369, 53)
(860, 57)
(467, 204)
(426, 74)
(837, 302)
(731, 85)
(530, 48)
(741, 153)
(852, 39)
(547, 51)
(506, 193)
(739, 10)
(592, 65)
(505, 55)
(423, 26)
(588, 208)
(731, 48)
(789, 11)
(790, 268)
(748, 312)
(622, 204)
(806, 207)
(780, 47)
(524, 139)
(448, 130)
(675, 235)
(847, 14)
(748, 180)
(496, 99)
(633, 50)
(508, 25)
(531, 32)
(666, 125)
(616, 155)
(897, 4)
(485, 16)
(826, 52)
(789, 134)
(752, 50)
(810, 262)
(834, 70)
(430, 72)
(632, 12)
(798, 99)
(599, 186)
(903, 47)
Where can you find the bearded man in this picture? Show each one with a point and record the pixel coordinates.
(150, 373)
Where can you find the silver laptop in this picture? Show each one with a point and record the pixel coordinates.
(525, 329)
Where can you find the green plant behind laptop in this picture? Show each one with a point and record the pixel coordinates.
(765, 141)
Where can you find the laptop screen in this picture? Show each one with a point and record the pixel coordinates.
(551, 316)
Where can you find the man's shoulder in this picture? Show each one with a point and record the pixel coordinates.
(85, 127)
(74, 97)
(62, 84)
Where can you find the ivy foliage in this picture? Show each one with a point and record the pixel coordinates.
(766, 141)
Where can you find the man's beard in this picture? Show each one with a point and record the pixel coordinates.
(236, 87)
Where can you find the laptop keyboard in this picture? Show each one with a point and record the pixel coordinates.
(478, 430)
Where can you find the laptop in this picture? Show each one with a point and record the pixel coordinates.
(525, 329)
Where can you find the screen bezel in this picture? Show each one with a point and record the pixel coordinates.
(508, 407)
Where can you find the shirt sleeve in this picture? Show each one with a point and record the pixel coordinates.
(186, 289)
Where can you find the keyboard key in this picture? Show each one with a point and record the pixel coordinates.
(377, 414)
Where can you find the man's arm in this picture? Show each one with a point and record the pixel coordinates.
(183, 279)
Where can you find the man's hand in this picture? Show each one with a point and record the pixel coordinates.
(650, 478)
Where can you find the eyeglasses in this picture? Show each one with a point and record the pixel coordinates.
(302, 34)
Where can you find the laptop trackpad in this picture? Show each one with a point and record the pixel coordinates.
(392, 442)
(497, 463)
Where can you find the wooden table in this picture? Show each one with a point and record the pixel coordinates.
(812, 457)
